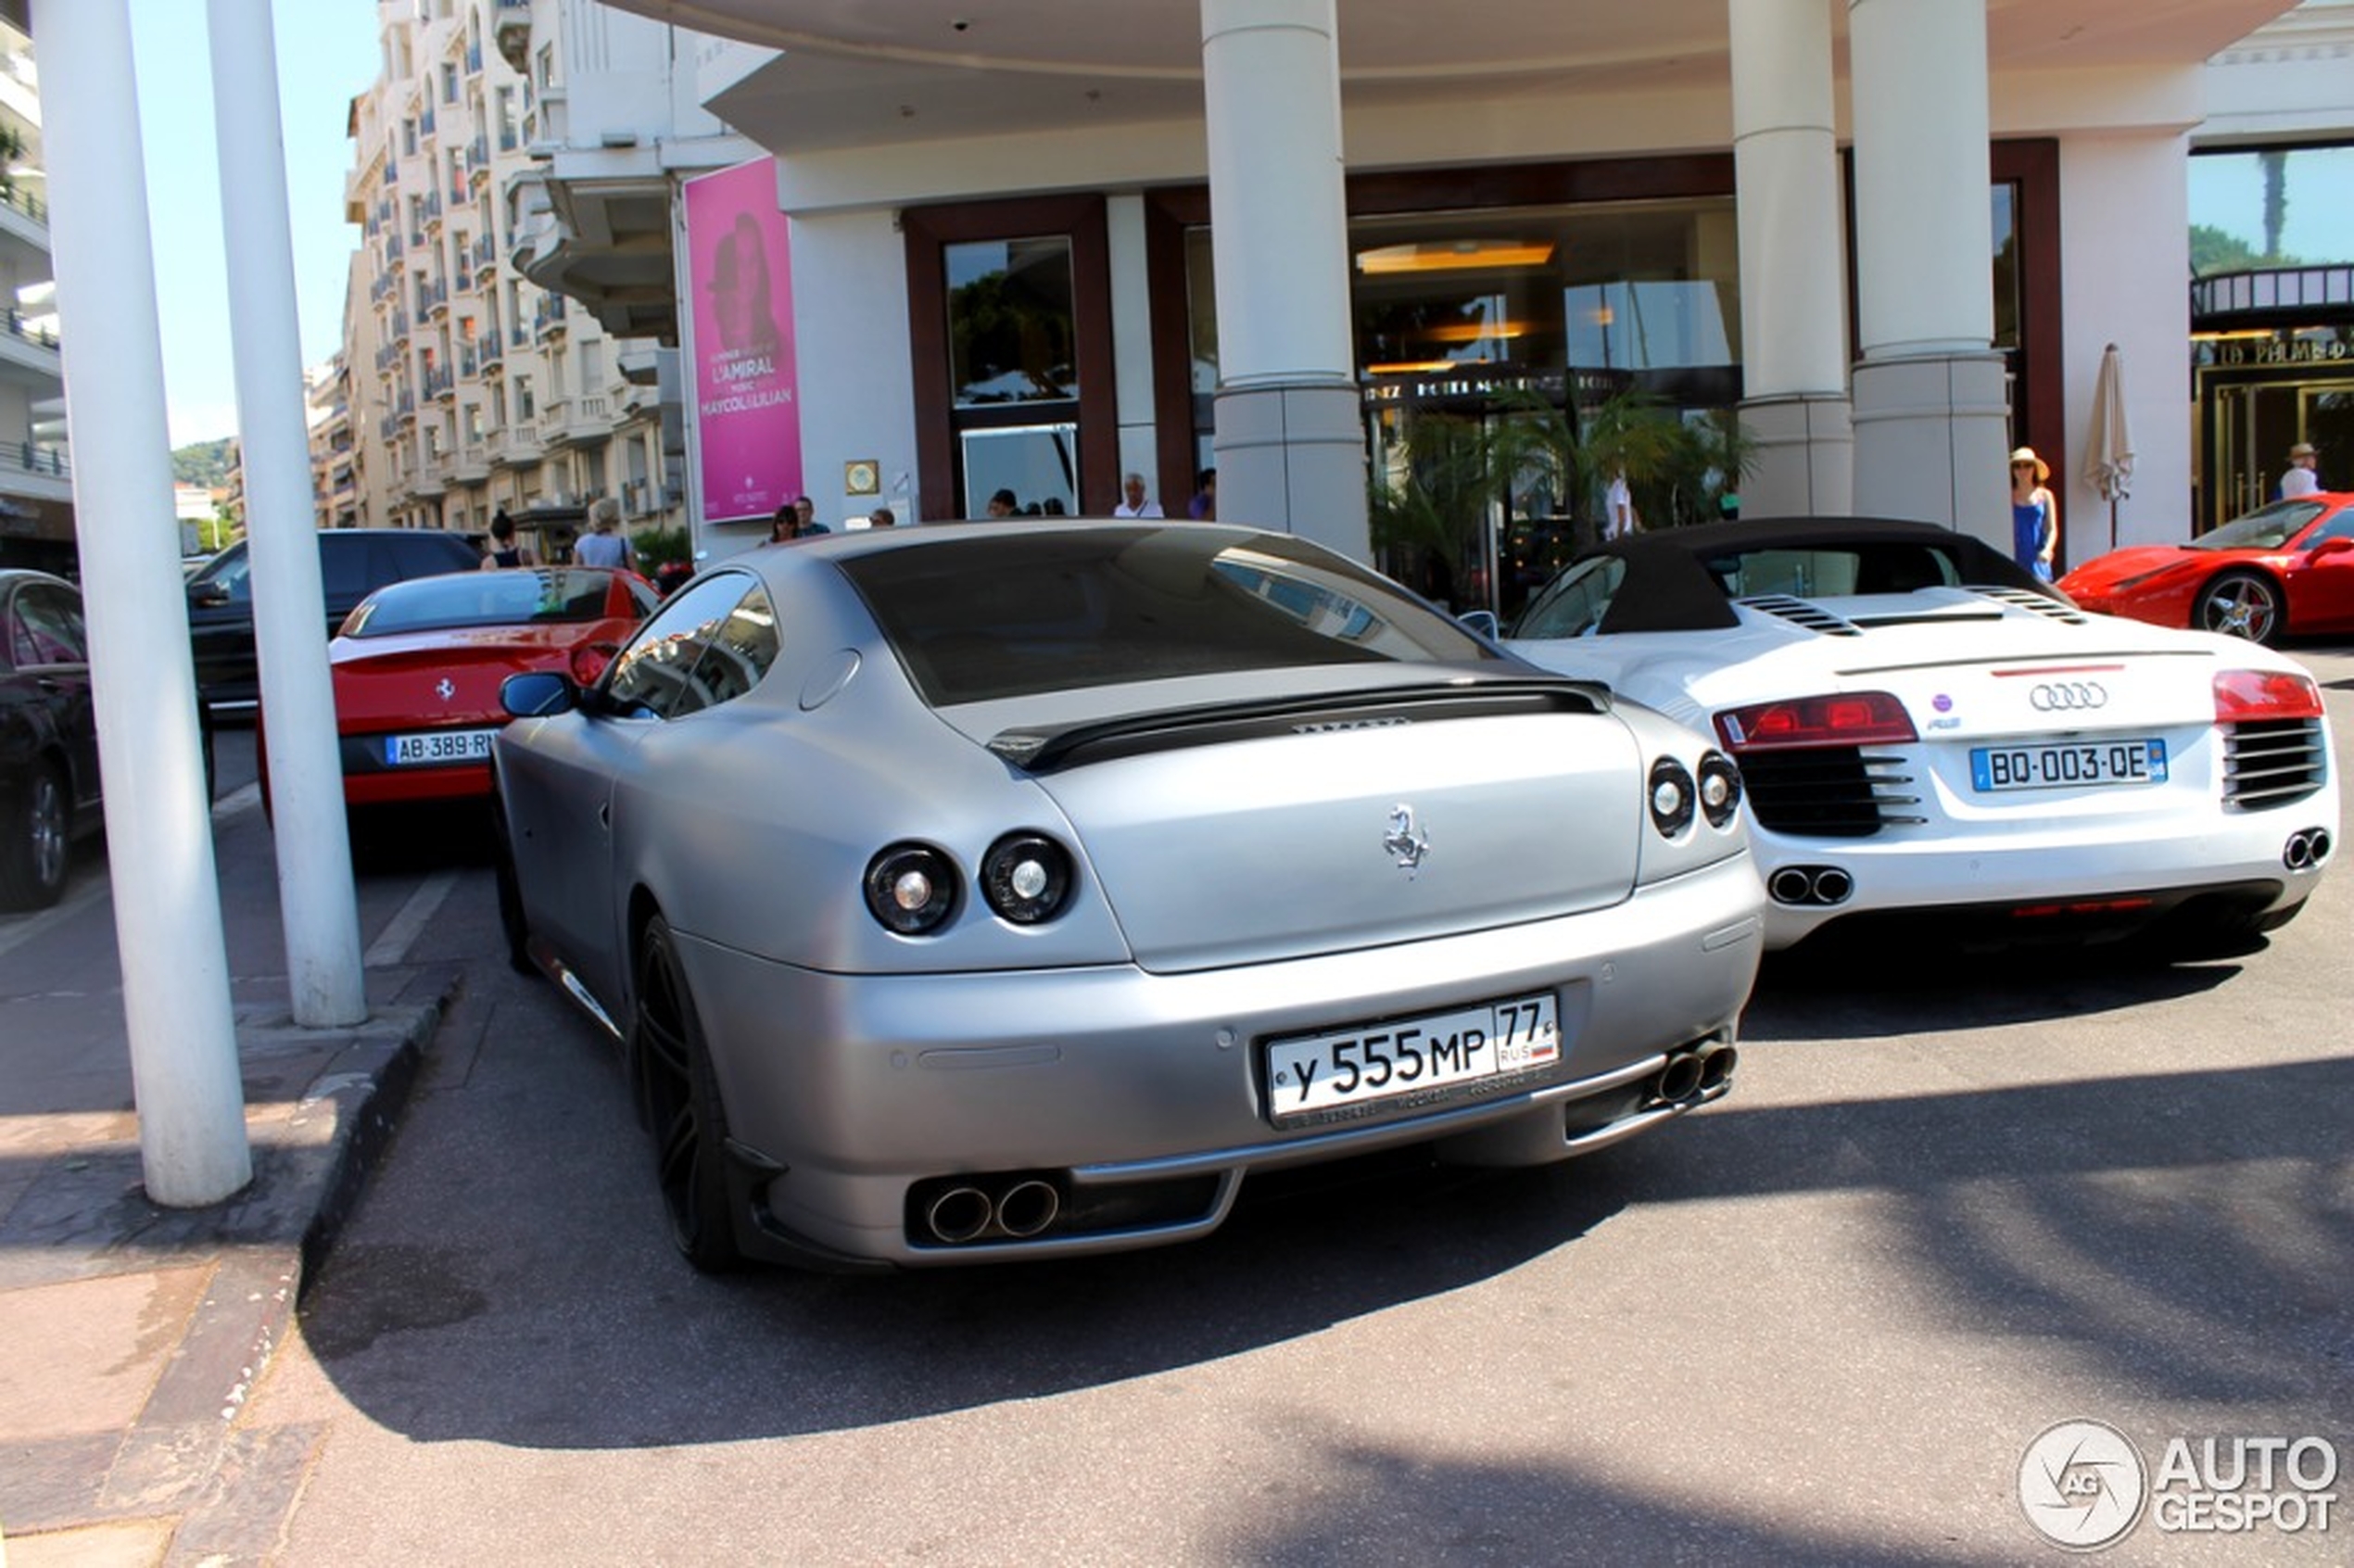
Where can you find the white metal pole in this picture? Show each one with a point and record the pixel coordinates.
(316, 899)
(167, 890)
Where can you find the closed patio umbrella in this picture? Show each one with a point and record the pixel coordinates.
(2109, 453)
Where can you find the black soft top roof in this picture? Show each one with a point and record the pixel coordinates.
(1669, 586)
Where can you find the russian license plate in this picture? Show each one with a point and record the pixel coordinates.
(1996, 768)
(1325, 1076)
(441, 746)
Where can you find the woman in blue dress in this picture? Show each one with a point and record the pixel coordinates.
(2034, 513)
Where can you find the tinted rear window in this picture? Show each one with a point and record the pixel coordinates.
(982, 618)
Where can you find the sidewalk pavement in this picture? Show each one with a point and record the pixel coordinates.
(129, 1333)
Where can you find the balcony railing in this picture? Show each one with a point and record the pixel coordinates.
(2274, 292)
(25, 457)
(19, 326)
(25, 202)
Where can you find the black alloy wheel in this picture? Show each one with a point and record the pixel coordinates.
(678, 1099)
(2243, 605)
(38, 823)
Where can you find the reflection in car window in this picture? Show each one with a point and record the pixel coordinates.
(231, 573)
(975, 620)
(709, 645)
(1881, 567)
(2267, 528)
(1575, 602)
(483, 599)
(46, 629)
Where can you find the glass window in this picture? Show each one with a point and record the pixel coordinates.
(1644, 291)
(710, 645)
(989, 618)
(1038, 462)
(2271, 207)
(1010, 321)
(48, 628)
(1575, 602)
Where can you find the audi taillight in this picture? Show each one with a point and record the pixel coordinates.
(2243, 695)
(1846, 718)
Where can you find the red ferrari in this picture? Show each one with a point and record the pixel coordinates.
(418, 666)
(2288, 567)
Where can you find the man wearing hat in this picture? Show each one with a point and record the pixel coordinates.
(2034, 513)
(2300, 479)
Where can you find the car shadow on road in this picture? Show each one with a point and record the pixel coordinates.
(1854, 991)
(524, 1294)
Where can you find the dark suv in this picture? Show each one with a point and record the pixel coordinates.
(353, 563)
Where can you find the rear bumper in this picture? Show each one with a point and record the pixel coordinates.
(1980, 877)
(1140, 1097)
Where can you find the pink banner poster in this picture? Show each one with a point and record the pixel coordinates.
(747, 403)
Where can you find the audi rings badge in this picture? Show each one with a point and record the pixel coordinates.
(2068, 696)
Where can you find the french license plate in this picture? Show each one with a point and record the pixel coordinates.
(435, 746)
(1996, 768)
(1324, 1077)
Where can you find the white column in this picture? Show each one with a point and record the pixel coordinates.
(1290, 443)
(1131, 344)
(1792, 267)
(1930, 408)
(316, 901)
(167, 890)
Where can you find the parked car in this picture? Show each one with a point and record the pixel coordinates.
(2287, 567)
(353, 563)
(418, 665)
(49, 775)
(1928, 732)
(48, 736)
(972, 893)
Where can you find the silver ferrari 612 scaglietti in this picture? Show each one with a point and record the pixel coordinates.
(967, 893)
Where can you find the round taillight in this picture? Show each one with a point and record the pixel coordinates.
(1025, 878)
(1671, 796)
(1720, 788)
(911, 889)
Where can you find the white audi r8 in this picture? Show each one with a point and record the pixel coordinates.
(1927, 730)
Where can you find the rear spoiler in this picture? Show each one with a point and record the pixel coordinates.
(1044, 749)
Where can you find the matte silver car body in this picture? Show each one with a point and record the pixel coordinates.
(1238, 873)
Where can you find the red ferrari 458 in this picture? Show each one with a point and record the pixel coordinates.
(418, 666)
(2288, 567)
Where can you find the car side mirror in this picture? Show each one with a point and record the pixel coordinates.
(538, 694)
(1484, 622)
(2330, 547)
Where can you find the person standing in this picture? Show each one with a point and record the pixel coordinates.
(1203, 508)
(2034, 513)
(1133, 502)
(504, 551)
(1618, 508)
(603, 544)
(786, 526)
(2302, 479)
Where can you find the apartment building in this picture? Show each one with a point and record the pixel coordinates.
(36, 475)
(475, 375)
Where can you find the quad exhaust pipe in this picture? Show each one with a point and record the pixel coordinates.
(1704, 1070)
(1810, 884)
(1015, 1210)
(2307, 848)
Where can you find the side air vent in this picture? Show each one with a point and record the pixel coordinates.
(1803, 613)
(1828, 792)
(2042, 604)
(2272, 762)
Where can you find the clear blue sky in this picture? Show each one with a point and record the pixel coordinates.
(327, 55)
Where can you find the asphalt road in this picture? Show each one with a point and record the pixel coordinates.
(1951, 1203)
